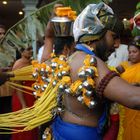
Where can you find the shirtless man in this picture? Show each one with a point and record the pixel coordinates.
(95, 30)
(49, 37)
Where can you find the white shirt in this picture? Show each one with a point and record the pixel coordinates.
(40, 52)
(120, 55)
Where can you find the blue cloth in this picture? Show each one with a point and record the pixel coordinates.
(81, 47)
(68, 131)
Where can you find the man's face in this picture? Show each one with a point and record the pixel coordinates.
(28, 53)
(2, 33)
(111, 42)
(105, 46)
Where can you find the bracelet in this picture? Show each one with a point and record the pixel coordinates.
(104, 82)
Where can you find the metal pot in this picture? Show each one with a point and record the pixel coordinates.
(62, 26)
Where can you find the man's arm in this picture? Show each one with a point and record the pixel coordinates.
(21, 98)
(5, 77)
(48, 46)
(119, 90)
(17, 65)
(49, 36)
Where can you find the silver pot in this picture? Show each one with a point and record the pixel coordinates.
(62, 26)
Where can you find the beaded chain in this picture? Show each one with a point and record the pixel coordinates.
(103, 83)
(58, 73)
(84, 87)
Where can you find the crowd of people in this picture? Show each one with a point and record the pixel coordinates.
(89, 114)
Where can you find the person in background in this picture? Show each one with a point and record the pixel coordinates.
(78, 121)
(4, 77)
(5, 95)
(119, 55)
(40, 50)
(22, 100)
(130, 71)
(49, 37)
(5, 98)
(62, 46)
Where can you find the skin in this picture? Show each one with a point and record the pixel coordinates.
(22, 62)
(4, 77)
(134, 54)
(49, 37)
(117, 43)
(123, 92)
(134, 57)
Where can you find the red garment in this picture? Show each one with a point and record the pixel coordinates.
(16, 105)
(113, 129)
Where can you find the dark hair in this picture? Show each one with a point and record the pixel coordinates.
(28, 48)
(60, 42)
(2, 26)
(18, 54)
(115, 25)
(135, 42)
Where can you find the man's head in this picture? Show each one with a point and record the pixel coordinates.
(26, 52)
(2, 31)
(97, 24)
(64, 45)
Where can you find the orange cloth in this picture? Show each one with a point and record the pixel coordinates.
(132, 117)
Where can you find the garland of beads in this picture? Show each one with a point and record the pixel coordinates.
(56, 73)
(59, 72)
(104, 82)
(84, 87)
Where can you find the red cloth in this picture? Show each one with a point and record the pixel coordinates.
(16, 105)
(113, 129)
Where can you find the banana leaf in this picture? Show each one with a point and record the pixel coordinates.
(19, 36)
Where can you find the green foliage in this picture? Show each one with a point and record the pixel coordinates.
(19, 35)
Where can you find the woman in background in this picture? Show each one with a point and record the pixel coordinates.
(130, 123)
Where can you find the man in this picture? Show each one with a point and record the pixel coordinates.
(49, 37)
(120, 54)
(41, 49)
(20, 100)
(64, 45)
(94, 30)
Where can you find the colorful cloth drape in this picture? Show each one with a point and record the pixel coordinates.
(131, 118)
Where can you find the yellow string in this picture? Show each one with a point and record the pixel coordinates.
(21, 86)
(22, 91)
(31, 117)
